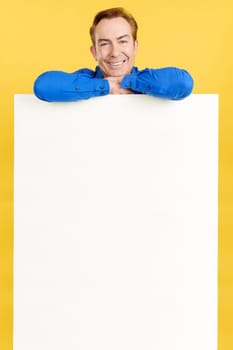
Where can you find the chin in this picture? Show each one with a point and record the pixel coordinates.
(119, 73)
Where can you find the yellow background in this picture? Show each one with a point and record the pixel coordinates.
(53, 34)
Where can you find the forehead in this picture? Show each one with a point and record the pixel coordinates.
(112, 28)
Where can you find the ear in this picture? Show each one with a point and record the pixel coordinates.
(136, 46)
(93, 52)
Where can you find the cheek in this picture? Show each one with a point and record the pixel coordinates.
(102, 53)
(130, 51)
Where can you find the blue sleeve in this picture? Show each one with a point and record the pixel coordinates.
(171, 83)
(58, 86)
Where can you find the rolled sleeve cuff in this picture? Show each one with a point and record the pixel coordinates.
(101, 86)
(132, 82)
(129, 82)
(98, 87)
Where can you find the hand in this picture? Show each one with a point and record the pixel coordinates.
(115, 86)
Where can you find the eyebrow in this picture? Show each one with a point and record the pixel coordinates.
(119, 38)
(123, 36)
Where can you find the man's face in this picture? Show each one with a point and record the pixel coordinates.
(114, 49)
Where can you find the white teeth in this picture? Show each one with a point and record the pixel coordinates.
(116, 64)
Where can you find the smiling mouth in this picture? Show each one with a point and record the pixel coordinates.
(117, 64)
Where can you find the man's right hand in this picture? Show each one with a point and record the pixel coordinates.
(115, 86)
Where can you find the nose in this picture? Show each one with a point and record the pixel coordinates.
(115, 50)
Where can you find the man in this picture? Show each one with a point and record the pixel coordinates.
(114, 47)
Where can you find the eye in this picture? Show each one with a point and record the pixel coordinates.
(124, 41)
(104, 44)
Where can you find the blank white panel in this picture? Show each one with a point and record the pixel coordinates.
(116, 207)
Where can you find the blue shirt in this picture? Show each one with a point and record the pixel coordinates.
(57, 86)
